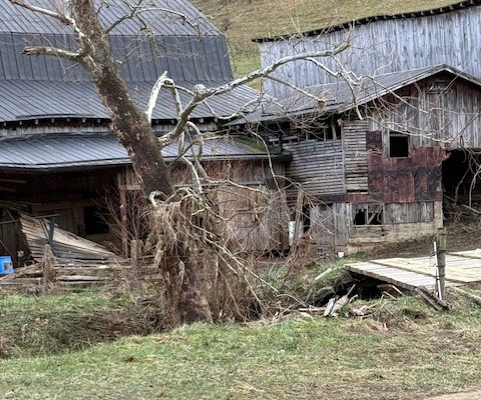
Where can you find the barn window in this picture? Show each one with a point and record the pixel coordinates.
(398, 145)
(367, 214)
(95, 219)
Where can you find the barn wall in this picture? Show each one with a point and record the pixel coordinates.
(408, 189)
(317, 166)
(437, 111)
(257, 213)
(355, 155)
(383, 46)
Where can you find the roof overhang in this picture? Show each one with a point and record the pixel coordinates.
(66, 152)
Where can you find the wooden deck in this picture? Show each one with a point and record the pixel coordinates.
(461, 268)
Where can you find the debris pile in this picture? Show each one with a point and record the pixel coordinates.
(64, 260)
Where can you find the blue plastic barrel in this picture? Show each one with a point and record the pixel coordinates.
(6, 265)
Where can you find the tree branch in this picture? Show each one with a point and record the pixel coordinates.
(86, 45)
(154, 95)
(52, 51)
(138, 9)
(202, 93)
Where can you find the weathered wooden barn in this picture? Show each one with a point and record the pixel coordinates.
(375, 160)
(57, 156)
(396, 152)
(382, 44)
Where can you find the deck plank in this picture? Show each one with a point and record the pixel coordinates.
(409, 273)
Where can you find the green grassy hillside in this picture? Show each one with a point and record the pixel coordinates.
(242, 20)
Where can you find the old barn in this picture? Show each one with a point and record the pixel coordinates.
(392, 157)
(375, 165)
(382, 44)
(57, 156)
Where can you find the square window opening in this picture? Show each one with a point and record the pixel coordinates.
(360, 217)
(398, 145)
(371, 214)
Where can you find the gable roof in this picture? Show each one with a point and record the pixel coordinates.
(340, 96)
(366, 20)
(184, 43)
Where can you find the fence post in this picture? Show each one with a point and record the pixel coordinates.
(441, 261)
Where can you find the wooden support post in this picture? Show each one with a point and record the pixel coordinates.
(441, 240)
(134, 253)
(123, 214)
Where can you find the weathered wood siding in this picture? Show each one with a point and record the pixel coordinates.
(256, 214)
(435, 112)
(333, 225)
(355, 155)
(384, 46)
(317, 166)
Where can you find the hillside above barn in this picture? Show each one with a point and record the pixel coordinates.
(243, 20)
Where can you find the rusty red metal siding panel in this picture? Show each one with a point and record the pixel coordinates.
(403, 180)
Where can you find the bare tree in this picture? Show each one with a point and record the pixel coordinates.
(132, 127)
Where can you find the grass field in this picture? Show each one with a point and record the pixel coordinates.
(242, 20)
(406, 352)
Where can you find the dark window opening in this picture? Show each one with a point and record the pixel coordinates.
(360, 217)
(337, 128)
(371, 214)
(306, 218)
(95, 219)
(398, 145)
(375, 217)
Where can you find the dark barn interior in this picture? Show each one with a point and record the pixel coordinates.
(462, 183)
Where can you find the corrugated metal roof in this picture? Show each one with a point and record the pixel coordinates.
(24, 100)
(362, 21)
(185, 58)
(63, 151)
(182, 20)
(184, 43)
(339, 97)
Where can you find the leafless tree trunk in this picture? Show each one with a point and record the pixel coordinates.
(132, 127)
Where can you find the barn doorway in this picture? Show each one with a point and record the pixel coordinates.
(462, 184)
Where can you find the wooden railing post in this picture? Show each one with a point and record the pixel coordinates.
(441, 240)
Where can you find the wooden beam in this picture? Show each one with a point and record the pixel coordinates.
(123, 214)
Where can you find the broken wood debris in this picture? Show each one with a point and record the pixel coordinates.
(431, 298)
(65, 246)
(336, 303)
